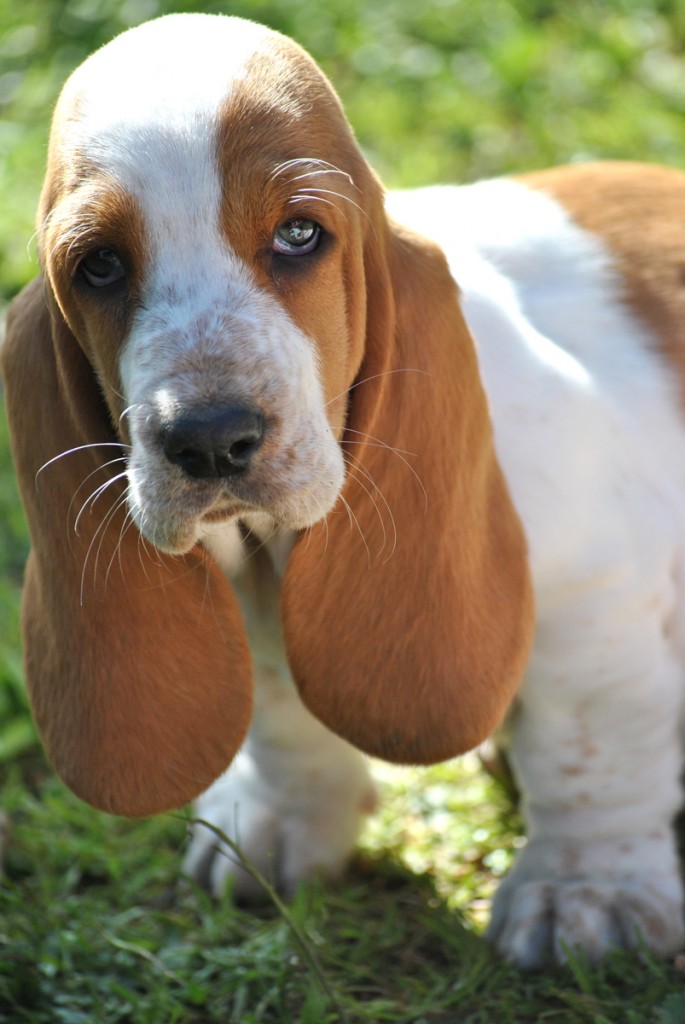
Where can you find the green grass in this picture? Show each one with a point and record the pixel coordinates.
(95, 922)
(98, 927)
(436, 90)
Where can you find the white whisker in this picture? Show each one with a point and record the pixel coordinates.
(104, 465)
(121, 501)
(376, 442)
(143, 547)
(261, 543)
(370, 443)
(308, 532)
(314, 199)
(353, 473)
(358, 467)
(328, 170)
(316, 193)
(327, 531)
(80, 448)
(116, 554)
(354, 519)
(128, 410)
(377, 376)
(317, 167)
(93, 497)
(102, 528)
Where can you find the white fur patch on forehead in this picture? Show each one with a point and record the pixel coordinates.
(145, 110)
(172, 70)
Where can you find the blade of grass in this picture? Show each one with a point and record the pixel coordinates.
(298, 933)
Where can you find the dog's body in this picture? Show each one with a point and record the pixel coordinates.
(273, 351)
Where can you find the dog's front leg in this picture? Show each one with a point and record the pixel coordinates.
(597, 751)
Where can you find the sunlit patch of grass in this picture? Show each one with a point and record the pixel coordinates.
(451, 821)
(98, 926)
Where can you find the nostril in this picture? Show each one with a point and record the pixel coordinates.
(217, 442)
(243, 448)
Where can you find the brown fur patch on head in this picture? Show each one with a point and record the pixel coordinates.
(286, 151)
(98, 214)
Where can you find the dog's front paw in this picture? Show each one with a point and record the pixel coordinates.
(537, 920)
(287, 841)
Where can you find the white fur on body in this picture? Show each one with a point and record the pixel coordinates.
(296, 795)
(590, 435)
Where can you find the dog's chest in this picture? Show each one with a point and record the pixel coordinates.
(253, 559)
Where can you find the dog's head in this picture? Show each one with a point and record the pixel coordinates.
(228, 325)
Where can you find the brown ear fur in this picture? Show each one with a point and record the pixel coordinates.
(136, 663)
(409, 618)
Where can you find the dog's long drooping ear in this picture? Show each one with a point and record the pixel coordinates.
(136, 663)
(409, 613)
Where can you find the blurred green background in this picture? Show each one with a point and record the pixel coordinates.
(436, 89)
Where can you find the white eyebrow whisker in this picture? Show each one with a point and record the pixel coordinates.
(317, 167)
(331, 192)
(313, 199)
(319, 173)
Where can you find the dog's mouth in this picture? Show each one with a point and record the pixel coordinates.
(171, 517)
(222, 515)
(175, 520)
(295, 483)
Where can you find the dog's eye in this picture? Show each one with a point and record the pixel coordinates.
(296, 237)
(101, 267)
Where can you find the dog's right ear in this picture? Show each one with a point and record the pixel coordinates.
(137, 663)
(410, 640)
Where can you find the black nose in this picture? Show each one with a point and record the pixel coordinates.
(216, 442)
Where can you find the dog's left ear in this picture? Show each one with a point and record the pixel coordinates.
(137, 663)
(409, 612)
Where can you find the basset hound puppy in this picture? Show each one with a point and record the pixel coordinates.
(312, 474)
